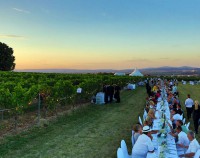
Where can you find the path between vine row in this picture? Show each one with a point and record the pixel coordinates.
(92, 131)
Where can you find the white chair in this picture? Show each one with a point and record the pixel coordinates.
(125, 150)
(140, 121)
(181, 117)
(184, 121)
(120, 153)
(197, 155)
(188, 125)
(132, 138)
(145, 115)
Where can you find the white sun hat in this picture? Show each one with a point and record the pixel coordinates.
(146, 129)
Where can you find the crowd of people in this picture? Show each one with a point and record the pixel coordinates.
(186, 143)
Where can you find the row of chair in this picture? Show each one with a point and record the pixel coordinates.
(122, 152)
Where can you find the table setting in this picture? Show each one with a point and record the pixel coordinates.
(164, 143)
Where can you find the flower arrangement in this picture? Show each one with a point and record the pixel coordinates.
(162, 154)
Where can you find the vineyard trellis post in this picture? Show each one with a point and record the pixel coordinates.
(39, 103)
(2, 115)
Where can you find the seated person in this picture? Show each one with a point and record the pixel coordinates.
(170, 98)
(197, 154)
(178, 109)
(145, 123)
(150, 117)
(193, 146)
(174, 117)
(174, 132)
(152, 104)
(182, 140)
(155, 89)
(137, 131)
(174, 103)
(152, 98)
(147, 107)
(180, 123)
(158, 94)
(144, 144)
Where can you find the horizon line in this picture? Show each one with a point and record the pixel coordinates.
(106, 68)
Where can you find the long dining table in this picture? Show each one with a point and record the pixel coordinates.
(164, 143)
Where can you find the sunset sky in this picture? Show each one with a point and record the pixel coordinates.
(96, 34)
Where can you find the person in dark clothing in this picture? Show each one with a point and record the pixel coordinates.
(105, 94)
(179, 110)
(111, 91)
(196, 115)
(117, 93)
(148, 88)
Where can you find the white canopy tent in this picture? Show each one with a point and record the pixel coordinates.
(136, 72)
(120, 74)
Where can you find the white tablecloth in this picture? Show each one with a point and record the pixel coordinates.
(163, 151)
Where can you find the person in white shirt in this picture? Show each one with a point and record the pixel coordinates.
(189, 104)
(182, 140)
(192, 148)
(197, 154)
(144, 144)
(174, 89)
(137, 131)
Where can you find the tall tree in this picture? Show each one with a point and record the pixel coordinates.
(7, 58)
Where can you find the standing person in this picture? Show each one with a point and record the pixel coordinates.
(111, 93)
(117, 93)
(105, 94)
(189, 104)
(148, 88)
(174, 89)
(196, 115)
(108, 92)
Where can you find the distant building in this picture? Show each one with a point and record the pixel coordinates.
(136, 72)
(120, 74)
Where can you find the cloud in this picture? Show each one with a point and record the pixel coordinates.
(21, 10)
(12, 36)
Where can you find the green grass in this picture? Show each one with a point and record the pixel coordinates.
(194, 91)
(93, 131)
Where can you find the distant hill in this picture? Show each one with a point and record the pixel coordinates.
(166, 70)
(66, 70)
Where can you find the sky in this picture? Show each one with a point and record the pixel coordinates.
(101, 34)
